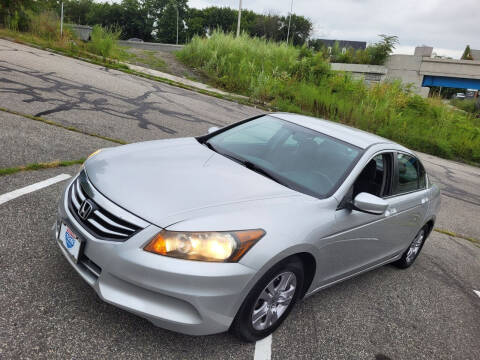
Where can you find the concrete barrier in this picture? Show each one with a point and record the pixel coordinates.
(83, 32)
(370, 73)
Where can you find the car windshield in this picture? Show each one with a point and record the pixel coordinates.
(297, 157)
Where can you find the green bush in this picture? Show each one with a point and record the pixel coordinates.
(297, 80)
(468, 105)
(374, 54)
(12, 21)
(45, 25)
(104, 41)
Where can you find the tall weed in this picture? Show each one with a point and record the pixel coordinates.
(299, 80)
(104, 41)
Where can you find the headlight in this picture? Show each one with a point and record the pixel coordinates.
(204, 246)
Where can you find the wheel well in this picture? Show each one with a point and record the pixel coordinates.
(430, 223)
(309, 267)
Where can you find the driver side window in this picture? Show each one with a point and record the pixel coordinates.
(411, 175)
(376, 177)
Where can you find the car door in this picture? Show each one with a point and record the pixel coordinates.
(364, 240)
(360, 239)
(408, 203)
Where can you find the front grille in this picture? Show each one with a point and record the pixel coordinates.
(100, 223)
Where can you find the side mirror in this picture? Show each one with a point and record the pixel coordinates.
(370, 204)
(213, 129)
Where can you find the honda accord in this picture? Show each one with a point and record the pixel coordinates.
(229, 230)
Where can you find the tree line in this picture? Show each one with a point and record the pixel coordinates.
(156, 20)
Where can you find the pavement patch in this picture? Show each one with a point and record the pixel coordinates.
(23, 141)
(108, 103)
(426, 311)
(69, 128)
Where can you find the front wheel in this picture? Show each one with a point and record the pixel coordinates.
(409, 256)
(270, 301)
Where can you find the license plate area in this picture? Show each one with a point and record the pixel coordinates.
(70, 242)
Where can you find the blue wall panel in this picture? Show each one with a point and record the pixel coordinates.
(429, 80)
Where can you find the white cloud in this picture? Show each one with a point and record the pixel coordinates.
(446, 25)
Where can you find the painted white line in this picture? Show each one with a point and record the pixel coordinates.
(477, 292)
(31, 188)
(263, 349)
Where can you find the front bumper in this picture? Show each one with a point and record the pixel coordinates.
(191, 297)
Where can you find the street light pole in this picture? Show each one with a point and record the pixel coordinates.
(239, 17)
(61, 22)
(289, 21)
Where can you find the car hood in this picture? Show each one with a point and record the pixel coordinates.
(161, 181)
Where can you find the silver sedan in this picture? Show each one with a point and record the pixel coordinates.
(230, 230)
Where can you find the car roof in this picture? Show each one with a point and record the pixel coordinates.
(359, 138)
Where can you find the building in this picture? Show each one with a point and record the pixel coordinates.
(423, 51)
(421, 70)
(475, 54)
(343, 44)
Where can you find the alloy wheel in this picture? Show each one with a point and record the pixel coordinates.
(415, 247)
(274, 300)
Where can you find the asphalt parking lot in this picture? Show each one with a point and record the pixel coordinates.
(429, 311)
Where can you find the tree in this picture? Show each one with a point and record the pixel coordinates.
(135, 20)
(267, 26)
(195, 23)
(374, 54)
(222, 18)
(14, 13)
(300, 29)
(467, 54)
(165, 13)
(76, 11)
(381, 50)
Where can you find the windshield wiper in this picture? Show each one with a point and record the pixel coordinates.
(262, 171)
(248, 165)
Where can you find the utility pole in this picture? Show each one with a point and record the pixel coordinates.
(289, 21)
(239, 17)
(61, 21)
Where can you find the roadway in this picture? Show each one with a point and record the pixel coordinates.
(427, 311)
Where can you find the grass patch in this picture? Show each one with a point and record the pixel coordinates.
(104, 43)
(69, 128)
(44, 31)
(476, 242)
(147, 58)
(39, 166)
(299, 80)
(468, 105)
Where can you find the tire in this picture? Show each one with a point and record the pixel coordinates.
(243, 325)
(411, 254)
